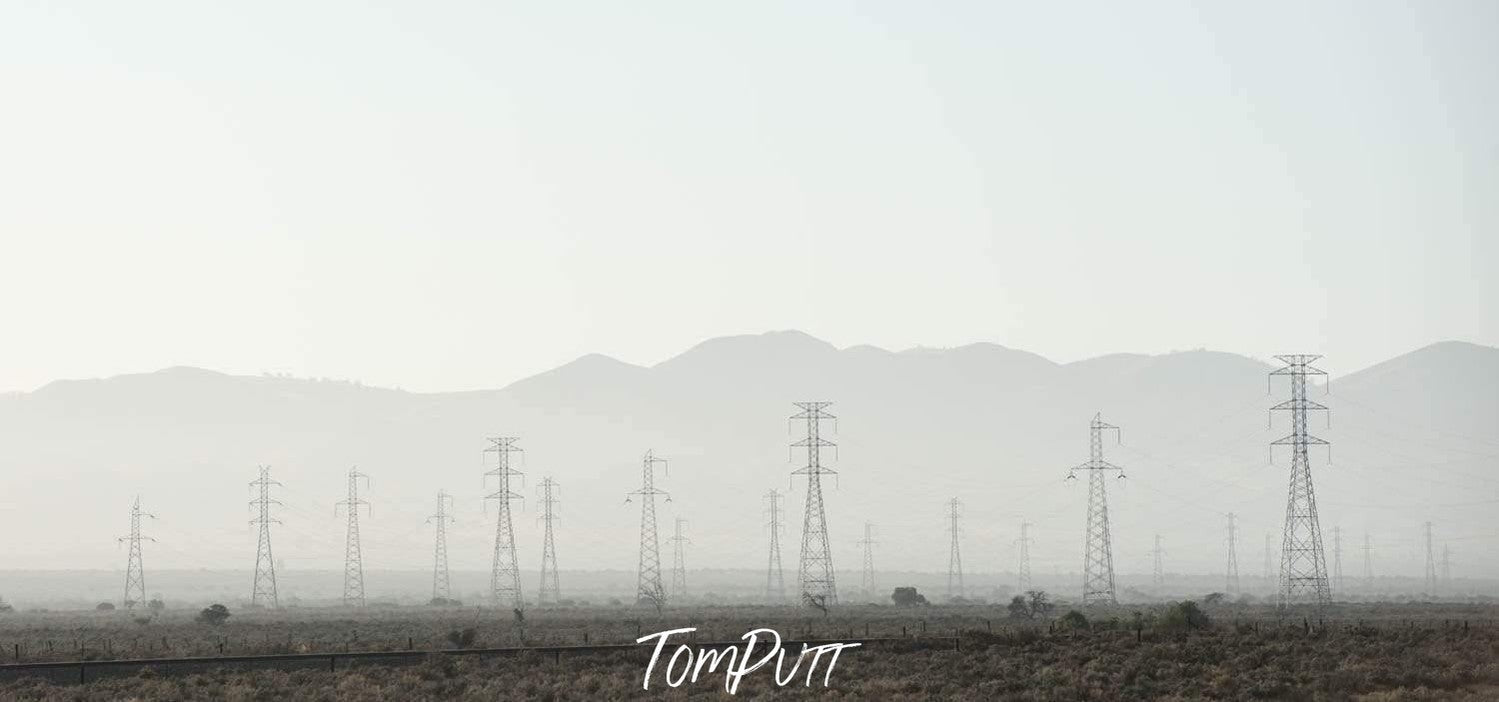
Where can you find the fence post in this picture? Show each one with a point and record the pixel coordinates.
(82, 672)
(332, 663)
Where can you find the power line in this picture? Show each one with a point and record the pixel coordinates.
(135, 570)
(1303, 568)
(648, 587)
(815, 580)
(264, 588)
(504, 573)
(442, 592)
(1098, 550)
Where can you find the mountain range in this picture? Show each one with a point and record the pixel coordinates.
(1413, 440)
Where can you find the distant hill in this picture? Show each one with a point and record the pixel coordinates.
(1413, 439)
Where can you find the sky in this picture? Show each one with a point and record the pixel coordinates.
(447, 196)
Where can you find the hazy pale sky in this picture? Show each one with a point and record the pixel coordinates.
(455, 195)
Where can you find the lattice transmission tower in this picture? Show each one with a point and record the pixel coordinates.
(1098, 550)
(1337, 560)
(775, 577)
(1023, 572)
(866, 576)
(679, 562)
(954, 554)
(353, 552)
(1231, 586)
(135, 569)
(1431, 562)
(648, 587)
(550, 591)
(504, 573)
(815, 581)
(1160, 572)
(442, 591)
(263, 592)
(1303, 569)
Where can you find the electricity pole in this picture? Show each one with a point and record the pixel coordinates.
(775, 578)
(442, 593)
(815, 581)
(550, 591)
(264, 588)
(353, 553)
(504, 573)
(1098, 550)
(135, 570)
(1303, 568)
(954, 556)
(648, 588)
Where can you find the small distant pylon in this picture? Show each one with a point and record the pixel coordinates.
(135, 569)
(815, 575)
(1023, 571)
(1368, 563)
(442, 592)
(263, 592)
(504, 573)
(1160, 572)
(775, 577)
(679, 562)
(1337, 561)
(954, 557)
(550, 591)
(1431, 563)
(353, 553)
(866, 578)
(1303, 576)
(1098, 549)
(648, 587)
(1232, 584)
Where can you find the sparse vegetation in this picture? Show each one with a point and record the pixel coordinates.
(214, 615)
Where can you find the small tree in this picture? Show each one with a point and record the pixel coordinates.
(1019, 609)
(907, 597)
(1074, 619)
(105, 607)
(5, 607)
(1213, 598)
(214, 615)
(462, 638)
(1185, 615)
(156, 605)
(817, 602)
(1040, 603)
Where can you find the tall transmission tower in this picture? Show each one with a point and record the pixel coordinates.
(775, 577)
(679, 562)
(550, 591)
(353, 554)
(1337, 560)
(1446, 567)
(1431, 562)
(1098, 549)
(135, 570)
(1160, 571)
(815, 582)
(442, 592)
(954, 555)
(648, 588)
(264, 589)
(1303, 570)
(504, 574)
(1368, 563)
(1232, 572)
(866, 579)
(1023, 577)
